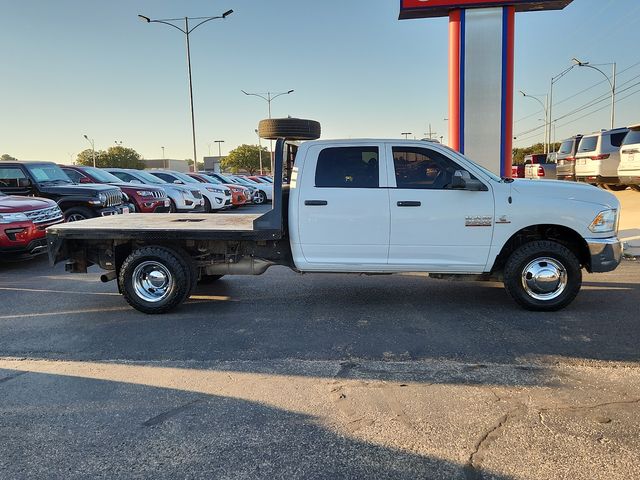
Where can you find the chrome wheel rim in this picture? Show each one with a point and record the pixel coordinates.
(76, 217)
(259, 198)
(544, 278)
(152, 281)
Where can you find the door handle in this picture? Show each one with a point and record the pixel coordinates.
(409, 204)
(315, 203)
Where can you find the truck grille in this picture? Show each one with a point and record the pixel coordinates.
(196, 194)
(44, 215)
(114, 197)
(159, 194)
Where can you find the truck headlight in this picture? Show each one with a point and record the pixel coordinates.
(13, 217)
(605, 221)
(214, 190)
(144, 193)
(102, 197)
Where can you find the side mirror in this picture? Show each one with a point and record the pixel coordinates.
(24, 183)
(178, 182)
(462, 181)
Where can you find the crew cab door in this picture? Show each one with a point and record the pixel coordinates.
(343, 207)
(435, 228)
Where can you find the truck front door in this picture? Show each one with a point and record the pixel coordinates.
(435, 228)
(343, 210)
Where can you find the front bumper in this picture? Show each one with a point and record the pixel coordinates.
(606, 254)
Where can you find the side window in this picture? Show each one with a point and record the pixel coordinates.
(74, 175)
(163, 176)
(421, 168)
(13, 177)
(617, 138)
(125, 177)
(348, 167)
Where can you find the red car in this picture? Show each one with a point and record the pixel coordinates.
(23, 221)
(144, 198)
(239, 194)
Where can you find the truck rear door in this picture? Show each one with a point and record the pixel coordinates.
(343, 208)
(433, 227)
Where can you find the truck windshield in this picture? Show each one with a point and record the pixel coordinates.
(48, 173)
(185, 178)
(102, 176)
(148, 178)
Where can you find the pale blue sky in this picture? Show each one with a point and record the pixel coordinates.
(71, 67)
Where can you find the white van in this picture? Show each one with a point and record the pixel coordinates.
(598, 158)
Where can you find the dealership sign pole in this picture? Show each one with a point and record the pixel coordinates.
(481, 58)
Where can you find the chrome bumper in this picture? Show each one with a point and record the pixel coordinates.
(606, 254)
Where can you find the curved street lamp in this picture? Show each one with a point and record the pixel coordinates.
(187, 31)
(612, 83)
(546, 141)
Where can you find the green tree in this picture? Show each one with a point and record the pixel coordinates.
(199, 167)
(117, 157)
(245, 158)
(7, 158)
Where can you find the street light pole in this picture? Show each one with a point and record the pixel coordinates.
(547, 140)
(550, 102)
(93, 149)
(406, 134)
(259, 151)
(612, 83)
(187, 31)
(219, 142)
(269, 98)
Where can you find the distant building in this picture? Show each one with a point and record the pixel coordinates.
(212, 164)
(169, 164)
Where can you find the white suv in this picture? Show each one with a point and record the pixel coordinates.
(598, 158)
(629, 168)
(216, 197)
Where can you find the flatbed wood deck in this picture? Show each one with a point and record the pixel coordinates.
(182, 226)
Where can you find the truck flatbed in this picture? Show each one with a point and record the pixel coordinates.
(200, 226)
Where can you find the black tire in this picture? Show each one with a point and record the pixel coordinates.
(209, 279)
(289, 128)
(616, 188)
(134, 279)
(551, 257)
(207, 205)
(635, 187)
(172, 206)
(260, 197)
(76, 214)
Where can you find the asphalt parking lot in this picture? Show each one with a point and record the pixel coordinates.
(317, 376)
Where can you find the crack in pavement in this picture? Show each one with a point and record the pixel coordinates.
(11, 377)
(170, 413)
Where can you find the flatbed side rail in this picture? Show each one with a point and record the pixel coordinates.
(272, 221)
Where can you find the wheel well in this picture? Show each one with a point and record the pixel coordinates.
(66, 205)
(557, 233)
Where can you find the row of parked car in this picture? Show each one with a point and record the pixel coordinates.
(609, 158)
(36, 195)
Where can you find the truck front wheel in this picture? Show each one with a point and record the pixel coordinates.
(76, 214)
(155, 279)
(543, 276)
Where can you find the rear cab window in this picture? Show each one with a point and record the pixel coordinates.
(348, 167)
(632, 138)
(566, 148)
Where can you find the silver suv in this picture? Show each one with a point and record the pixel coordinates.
(566, 160)
(598, 158)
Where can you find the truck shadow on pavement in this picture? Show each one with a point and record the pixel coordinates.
(72, 427)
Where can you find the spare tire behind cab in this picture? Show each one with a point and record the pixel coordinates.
(289, 128)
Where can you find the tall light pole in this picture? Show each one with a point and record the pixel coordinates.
(406, 134)
(219, 142)
(547, 140)
(187, 31)
(270, 96)
(612, 83)
(93, 149)
(550, 100)
(259, 150)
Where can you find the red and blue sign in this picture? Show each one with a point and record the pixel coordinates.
(442, 8)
